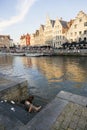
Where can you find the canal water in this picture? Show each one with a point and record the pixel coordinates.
(47, 76)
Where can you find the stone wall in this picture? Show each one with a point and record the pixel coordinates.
(15, 91)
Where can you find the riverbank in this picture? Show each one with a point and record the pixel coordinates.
(73, 52)
(53, 52)
(66, 112)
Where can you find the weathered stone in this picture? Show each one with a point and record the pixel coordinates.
(12, 89)
(2, 127)
(81, 100)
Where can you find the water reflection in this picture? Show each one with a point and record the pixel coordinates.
(60, 68)
(48, 75)
(6, 61)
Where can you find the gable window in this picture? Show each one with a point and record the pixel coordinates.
(80, 20)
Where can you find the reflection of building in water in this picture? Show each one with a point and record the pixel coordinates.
(48, 67)
(27, 61)
(6, 60)
(76, 71)
(59, 69)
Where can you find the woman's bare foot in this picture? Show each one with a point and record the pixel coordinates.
(38, 108)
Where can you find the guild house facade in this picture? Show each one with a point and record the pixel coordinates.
(56, 32)
(25, 40)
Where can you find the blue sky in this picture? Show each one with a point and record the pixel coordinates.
(18, 17)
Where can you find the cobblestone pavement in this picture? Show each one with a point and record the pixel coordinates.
(2, 127)
(73, 117)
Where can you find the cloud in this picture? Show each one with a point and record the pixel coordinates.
(23, 7)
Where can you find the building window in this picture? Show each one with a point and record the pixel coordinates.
(75, 33)
(85, 39)
(85, 31)
(80, 20)
(75, 26)
(80, 32)
(71, 34)
(85, 24)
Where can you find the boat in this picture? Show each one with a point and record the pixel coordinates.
(17, 54)
(34, 54)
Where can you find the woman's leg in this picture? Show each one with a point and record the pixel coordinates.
(34, 108)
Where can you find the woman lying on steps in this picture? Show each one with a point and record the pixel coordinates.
(31, 107)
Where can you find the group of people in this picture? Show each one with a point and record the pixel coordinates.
(29, 106)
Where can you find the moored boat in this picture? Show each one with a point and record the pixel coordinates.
(17, 54)
(34, 54)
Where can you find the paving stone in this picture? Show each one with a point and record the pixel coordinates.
(84, 112)
(2, 127)
(69, 129)
(73, 125)
(72, 120)
(82, 123)
(85, 127)
(81, 100)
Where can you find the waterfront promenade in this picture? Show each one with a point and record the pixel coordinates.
(66, 112)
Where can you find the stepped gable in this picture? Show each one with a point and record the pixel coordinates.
(42, 26)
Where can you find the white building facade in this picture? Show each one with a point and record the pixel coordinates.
(59, 33)
(56, 32)
(48, 31)
(78, 30)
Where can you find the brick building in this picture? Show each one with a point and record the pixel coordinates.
(5, 41)
(25, 40)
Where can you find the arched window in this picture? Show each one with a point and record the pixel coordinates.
(85, 39)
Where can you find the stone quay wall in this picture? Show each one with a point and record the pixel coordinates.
(73, 52)
(12, 90)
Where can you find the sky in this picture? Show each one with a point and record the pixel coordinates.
(18, 17)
